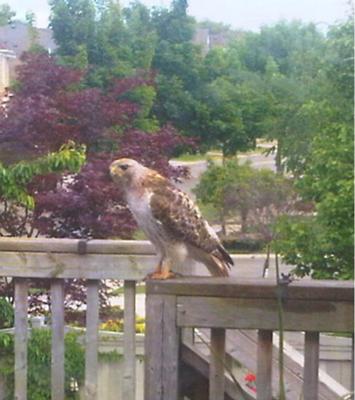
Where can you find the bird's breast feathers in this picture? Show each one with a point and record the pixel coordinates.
(170, 219)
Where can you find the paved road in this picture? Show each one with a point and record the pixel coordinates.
(198, 167)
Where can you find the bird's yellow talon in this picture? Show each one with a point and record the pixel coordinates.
(161, 275)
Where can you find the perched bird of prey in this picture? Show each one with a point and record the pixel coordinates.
(170, 220)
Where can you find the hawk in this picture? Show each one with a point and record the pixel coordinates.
(170, 220)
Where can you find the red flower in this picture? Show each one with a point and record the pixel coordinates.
(250, 377)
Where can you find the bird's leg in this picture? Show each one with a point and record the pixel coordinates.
(163, 271)
(157, 271)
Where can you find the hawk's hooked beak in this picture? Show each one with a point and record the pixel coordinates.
(115, 171)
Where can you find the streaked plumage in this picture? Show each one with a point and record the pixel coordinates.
(170, 220)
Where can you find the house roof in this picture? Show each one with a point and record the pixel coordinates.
(15, 36)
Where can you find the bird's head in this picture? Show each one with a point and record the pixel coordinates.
(124, 171)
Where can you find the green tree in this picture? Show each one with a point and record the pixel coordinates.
(141, 35)
(178, 64)
(109, 42)
(288, 57)
(6, 14)
(15, 178)
(211, 189)
(322, 245)
(255, 197)
(233, 103)
(73, 25)
(33, 33)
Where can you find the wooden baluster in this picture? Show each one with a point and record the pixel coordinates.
(57, 370)
(129, 348)
(170, 349)
(264, 365)
(217, 360)
(162, 340)
(352, 366)
(21, 327)
(188, 335)
(92, 339)
(153, 362)
(311, 366)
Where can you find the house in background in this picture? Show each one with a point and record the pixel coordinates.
(6, 58)
(14, 40)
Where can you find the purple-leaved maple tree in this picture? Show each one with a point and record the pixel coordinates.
(52, 105)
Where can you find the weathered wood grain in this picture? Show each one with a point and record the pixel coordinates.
(92, 339)
(162, 338)
(217, 360)
(65, 265)
(170, 350)
(21, 327)
(352, 385)
(311, 366)
(57, 370)
(254, 288)
(264, 365)
(129, 370)
(153, 348)
(207, 312)
(95, 246)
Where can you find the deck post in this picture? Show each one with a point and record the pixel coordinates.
(21, 328)
(217, 361)
(264, 365)
(129, 313)
(311, 366)
(162, 340)
(352, 371)
(92, 340)
(57, 370)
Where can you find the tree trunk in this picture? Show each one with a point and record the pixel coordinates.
(278, 158)
(223, 222)
(243, 216)
(267, 261)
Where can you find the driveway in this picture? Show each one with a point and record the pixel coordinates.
(197, 168)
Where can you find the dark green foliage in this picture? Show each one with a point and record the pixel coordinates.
(15, 178)
(73, 24)
(256, 197)
(6, 313)
(112, 42)
(39, 364)
(323, 245)
(243, 243)
(174, 25)
(178, 63)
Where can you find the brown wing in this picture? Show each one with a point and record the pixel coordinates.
(180, 217)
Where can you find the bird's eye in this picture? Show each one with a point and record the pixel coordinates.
(124, 167)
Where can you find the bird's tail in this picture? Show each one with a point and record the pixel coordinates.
(218, 261)
(217, 265)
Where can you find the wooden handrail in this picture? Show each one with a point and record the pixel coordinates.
(217, 303)
(56, 260)
(221, 303)
(305, 289)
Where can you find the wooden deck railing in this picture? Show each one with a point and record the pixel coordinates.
(172, 306)
(60, 259)
(224, 303)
